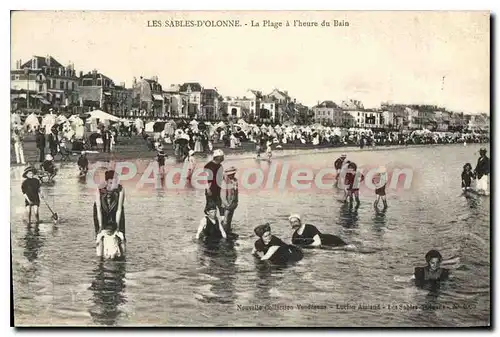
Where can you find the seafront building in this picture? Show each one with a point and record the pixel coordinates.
(44, 83)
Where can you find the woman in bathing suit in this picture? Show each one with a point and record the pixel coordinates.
(309, 236)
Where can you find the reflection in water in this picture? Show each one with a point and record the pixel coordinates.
(349, 215)
(379, 220)
(108, 292)
(219, 262)
(33, 242)
(267, 278)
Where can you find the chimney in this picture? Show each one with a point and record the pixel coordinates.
(122, 84)
(94, 72)
(34, 63)
(47, 60)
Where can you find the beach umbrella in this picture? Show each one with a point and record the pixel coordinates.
(149, 127)
(61, 119)
(48, 122)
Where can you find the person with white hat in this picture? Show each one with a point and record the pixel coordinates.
(215, 173)
(338, 165)
(482, 172)
(308, 235)
(229, 196)
(49, 167)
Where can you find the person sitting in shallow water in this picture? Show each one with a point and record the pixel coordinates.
(210, 227)
(432, 273)
(307, 235)
(267, 244)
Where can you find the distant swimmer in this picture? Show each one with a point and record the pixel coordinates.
(210, 228)
(271, 248)
(467, 176)
(431, 274)
(307, 235)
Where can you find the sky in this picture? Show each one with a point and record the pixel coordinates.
(440, 58)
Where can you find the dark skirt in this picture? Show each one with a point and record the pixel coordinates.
(331, 240)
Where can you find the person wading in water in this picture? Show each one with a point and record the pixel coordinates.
(482, 172)
(83, 164)
(109, 204)
(215, 171)
(229, 197)
(32, 194)
(210, 228)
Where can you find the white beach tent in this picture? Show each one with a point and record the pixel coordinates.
(31, 122)
(103, 116)
(149, 126)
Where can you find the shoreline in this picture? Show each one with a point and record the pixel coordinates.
(137, 149)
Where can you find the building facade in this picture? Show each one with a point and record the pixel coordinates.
(192, 93)
(48, 80)
(147, 97)
(95, 91)
(121, 98)
(328, 112)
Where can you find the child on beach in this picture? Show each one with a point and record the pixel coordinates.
(380, 181)
(269, 150)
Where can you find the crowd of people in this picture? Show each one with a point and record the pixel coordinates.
(221, 199)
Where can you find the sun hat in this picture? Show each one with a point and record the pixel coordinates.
(230, 170)
(294, 216)
(28, 169)
(218, 153)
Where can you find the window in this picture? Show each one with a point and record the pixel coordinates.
(54, 84)
(73, 86)
(12, 77)
(99, 83)
(252, 103)
(40, 87)
(17, 77)
(358, 114)
(67, 85)
(61, 85)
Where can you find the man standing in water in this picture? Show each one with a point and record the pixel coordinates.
(229, 197)
(482, 172)
(215, 172)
